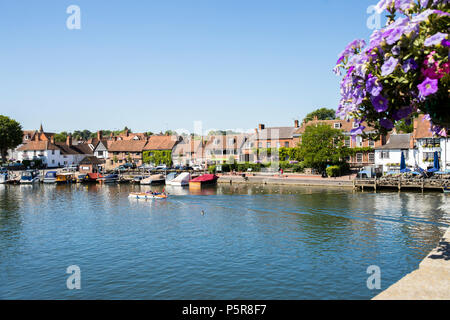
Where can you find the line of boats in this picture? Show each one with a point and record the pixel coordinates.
(172, 179)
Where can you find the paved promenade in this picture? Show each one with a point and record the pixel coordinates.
(307, 180)
(430, 282)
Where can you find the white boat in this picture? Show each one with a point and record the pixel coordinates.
(4, 177)
(29, 177)
(181, 180)
(50, 177)
(147, 195)
(153, 179)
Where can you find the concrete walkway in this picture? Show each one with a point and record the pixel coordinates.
(287, 180)
(430, 282)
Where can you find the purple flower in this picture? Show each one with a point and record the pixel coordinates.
(380, 103)
(357, 131)
(393, 35)
(402, 113)
(373, 86)
(382, 5)
(386, 123)
(389, 66)
(395, 50)
(403, 4)
(429, 86)
(435, 39)
(446, 43)
(423, 16)
(409, 64)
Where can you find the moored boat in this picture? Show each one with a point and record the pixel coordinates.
(147, 195)
(110, 178)
(88, 177)
(206, 179)
(50, 177)
(153, 179)
(29, 177)
(181, 180)
(65, 177)
(446, 189)
(4, 177)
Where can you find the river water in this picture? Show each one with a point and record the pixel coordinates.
(225, 242)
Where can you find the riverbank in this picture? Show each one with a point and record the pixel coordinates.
(431, 281)
(276, 179)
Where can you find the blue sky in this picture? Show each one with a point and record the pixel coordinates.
(157, 65)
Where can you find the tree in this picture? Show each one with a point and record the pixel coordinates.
(322, 145)
(403, 71)
(321, 114)
(11, 135)
(61, 137)
(403, 127)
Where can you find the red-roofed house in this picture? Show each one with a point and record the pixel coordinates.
(360, 159)
(428, 143)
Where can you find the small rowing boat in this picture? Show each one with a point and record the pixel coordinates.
(147, 195)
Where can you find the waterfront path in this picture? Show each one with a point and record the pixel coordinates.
(430, 282)
(287, 179)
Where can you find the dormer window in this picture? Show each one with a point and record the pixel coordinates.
(355, 125)
(337, 125)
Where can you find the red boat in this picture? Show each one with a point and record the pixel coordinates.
(205, 179)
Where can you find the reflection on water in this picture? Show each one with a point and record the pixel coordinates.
(224, 242)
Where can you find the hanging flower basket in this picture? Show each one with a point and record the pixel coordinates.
(403, 71)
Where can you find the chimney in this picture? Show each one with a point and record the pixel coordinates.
(127, 132)
(69, 140)
(261, 126)
(315, 118)
(52, 140)
(296, 124)
(99, 135)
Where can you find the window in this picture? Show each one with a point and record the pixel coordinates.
(278, 145)
(429, 156)
(337, 125)
(53, 161)
(259, 144)
(355, 125)
(286, 144)
(268, 144)
(431, 142)
(371, 143)
(384, 154)
(405, 154)
(359, 157)
(371, 157)
(347, 142)
(359, 141)
(53, 151)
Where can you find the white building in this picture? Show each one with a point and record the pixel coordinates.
(53, 154)
(427, 144)
(389, 155)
